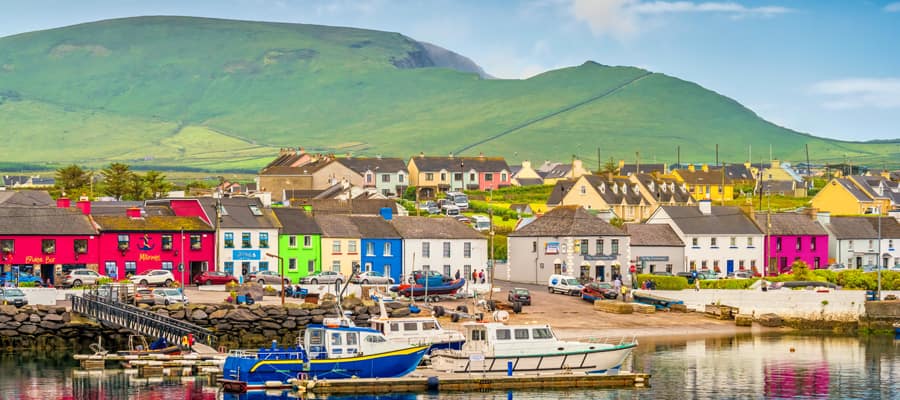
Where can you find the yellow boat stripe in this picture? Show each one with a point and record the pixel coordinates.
(403, 352)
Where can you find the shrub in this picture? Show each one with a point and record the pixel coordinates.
(125, 281)
(665, 282)
(27, 284)
(269, 290)
(103, 281)
(829, 276)
(230, 286)
(738, 284)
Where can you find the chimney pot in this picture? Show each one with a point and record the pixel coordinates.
(133, 212)
(63, 202)
(84, 205)
(705, 206)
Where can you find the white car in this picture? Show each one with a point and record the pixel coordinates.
(156, 277)
(169, 296)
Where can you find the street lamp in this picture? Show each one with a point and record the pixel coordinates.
(181, 266)
(280, 272)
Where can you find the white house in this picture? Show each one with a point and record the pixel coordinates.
(854, 241)
(720, 239)
(246, 233)
(444, 245)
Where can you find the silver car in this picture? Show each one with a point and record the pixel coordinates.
(82, 277)
(169, 296)
(324, 277)
(372, 277)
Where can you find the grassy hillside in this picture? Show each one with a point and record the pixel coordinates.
(218, 94)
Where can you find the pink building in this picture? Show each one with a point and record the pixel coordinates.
(136, 242)
(793, 237)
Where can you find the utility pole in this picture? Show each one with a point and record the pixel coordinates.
(637, 162)
(678, 157)
(808, 177)
(717, 154)
(219, 232)
(181, 266)
(492, 270)
(878, 260)
(722, 192)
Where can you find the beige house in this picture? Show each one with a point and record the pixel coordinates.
(526, 175)
(318, 173)
(632, 198)
(341, 241)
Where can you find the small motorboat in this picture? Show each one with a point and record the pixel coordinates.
(137, 346)
(416, 331)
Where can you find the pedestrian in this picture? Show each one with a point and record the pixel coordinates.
(764, 286)
(617, 285)
(625, 293)
(474, 276)
(481, 275)
(697, 285)
(457, 275)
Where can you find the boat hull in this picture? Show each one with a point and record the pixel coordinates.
(419, 290)
(599, 361)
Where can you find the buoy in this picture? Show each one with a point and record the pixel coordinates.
(501, 316)
(433, 383)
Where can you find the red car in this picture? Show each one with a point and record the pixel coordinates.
(213, 278)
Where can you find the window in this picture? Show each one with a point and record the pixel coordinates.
(695, 242)
(443, 176)
(336, 265)
(229, 267)
(471, 177)
(8, 246)
(599, 247)
(521, 334)
(614, 246)
(812, 243)
(387, 249)
(741, 264)
(733, 242)
(583, 189)
(585, 246)
(245, 268)
(400, 178)
(370, 249)
(534, 246)
(426, 249)
(255, 210)
(446, 249)
(196, 243)
(541, 333)
(457, 176)
(503, 334)
(351, 247)
(778, 243)
(229, 240)
(669, 268)
(799, 244)
(292, 264)
(245, 240)
(850, 245)
(752, 263)
(167, 242)
(130, 267)
(123, 242)
(447, 271)
(167, 265)
(292, 242)
(749, 242)
(264, 240)
(367, 266)
(386, 178)
(703, 265)
(503, 177)
(336, 247)
(429, 176)
(871, 244)
(263, 265)
(467, 271)
(311, 266)
(489, 177)
(816, 262)
(80, 246)
(307, 241)
(715, 264)
(890, 243)
(467, 249)
(783, 262)
(48, 246)
(712, 243)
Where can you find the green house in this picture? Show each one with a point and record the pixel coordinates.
(299, 243)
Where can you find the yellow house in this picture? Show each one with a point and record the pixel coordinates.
(632, 198)
(852, 196)
(554, 172)
(527, 176)
(774, 172)
(706, 183)
(341, 241)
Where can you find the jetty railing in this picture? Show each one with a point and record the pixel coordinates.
(139, 320)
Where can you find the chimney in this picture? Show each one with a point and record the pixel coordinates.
(450, 156)
(63, 202)
(526, 164)
(421, 154)
(84, 205)
(386, 213)
(705, 206)
(824, 217)
(691, 167)
(705, 168)
(811, 212)
(621, 163)
(133, 212)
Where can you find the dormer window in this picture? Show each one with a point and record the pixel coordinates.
(255, 210)
(615, 188)
(602, 188)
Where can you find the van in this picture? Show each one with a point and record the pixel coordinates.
(451, 210)
(459, 199)
(481, 223)
(564, 284)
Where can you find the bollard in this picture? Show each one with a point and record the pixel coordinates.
(509, 368)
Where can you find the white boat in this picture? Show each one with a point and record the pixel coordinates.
(417, 331)
(491, 347)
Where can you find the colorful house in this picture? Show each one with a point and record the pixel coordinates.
(791, 237)
(388, 176)
(47, 241)
(382, 247)
(299, 243)
(247, 234)
(525, 175)
(444, 245)
(706, 183)
(857, 195)
(340, 243)
(854, 241)
(134, 243)
(434, 175)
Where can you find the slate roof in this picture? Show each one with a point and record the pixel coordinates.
(700, 177)
(870, 184)
(853, 189)
(237, 213)
(738, 172)
(629, 169)
(622, 193)
(790, 224)
(167, 223)
(434, 228)
(295, 221)
(286, 158)
(559, 191)
(672, 189)
(653, 235)
(568, 221)
(890, 227)
(375, 228)
(778, 186)
(12, 180)
(337, 226)
(44, 221)
(721, 221)
(520, 207)
(480, 164)
(382, 165)
(557, 171)
(357, 206)
(853, 228)
(112, 208)
(530, 181)
(26, 198)
(305, 169)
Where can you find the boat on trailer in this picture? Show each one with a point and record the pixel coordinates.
(493, 347)
(334, 350)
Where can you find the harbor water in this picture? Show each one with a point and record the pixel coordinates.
(767, 366)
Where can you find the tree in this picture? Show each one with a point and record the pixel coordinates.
(137, 188)
(117, 180)
(156, 184)
(610, 167)
(71, 178)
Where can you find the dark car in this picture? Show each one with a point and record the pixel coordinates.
(267, 277)
(213, 278)
(599, 289)
(520, 295)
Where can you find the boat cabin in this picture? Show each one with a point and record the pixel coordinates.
(336, 340)
(497, 338)
(407, 327)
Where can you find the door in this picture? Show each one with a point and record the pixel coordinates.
(601, 273)
(196, 268)
(729, 266)
(47, 274)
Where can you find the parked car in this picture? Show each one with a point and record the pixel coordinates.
(145, 296)
(213, 278)
(600, 289)
(462, 218)
(520, 295)
(324, 277)
(270, 277)
(169, 296)
(451, 210)
(430, 207)
(157, 277)
(374, 277)
(837, 267)
(564, 284)
(739, 275)
(23, 277)
(687, 275)
(707, 274)
(661, 273)
(13, 296)
(82, 277)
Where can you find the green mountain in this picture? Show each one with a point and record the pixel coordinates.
(214, 94)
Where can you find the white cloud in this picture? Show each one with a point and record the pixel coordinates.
(624, 18)
(852, 93)
(892, 7)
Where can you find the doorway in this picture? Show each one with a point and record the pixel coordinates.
(601, 273)
(47, 274)
(196, 268)
(729, 267)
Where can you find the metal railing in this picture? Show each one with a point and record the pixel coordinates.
(139, 320)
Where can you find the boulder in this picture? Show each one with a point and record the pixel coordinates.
(275, 311)
(317, 311)
(241, 315)
(9, 310)
(218, 314)
(770, 320)
(270, 325)
(34, 318)
(11, 325)
(28, 329)
(317, 319)
(21, 317)
(297, 312)
(252, 289)
(53, 318)
(8, 332)
(4, 318)
(199, 314)
(351, 302)
(289, 324)
(50, 326)
(223, 327)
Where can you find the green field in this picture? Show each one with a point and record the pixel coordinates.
(179, 92)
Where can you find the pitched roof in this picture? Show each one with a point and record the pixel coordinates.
(337, 226)
(530, 181)
(720, 221)
(355, 206)
(629, 169)
(738, 171)
(568, 221)
(790, 224)
(557, 171)
(618, 191)
(559, 191)
(434, 228)
(520, 207)
(380, 164)
(375, 228)
(152, 223)
(665, 191)
(778, 186)
(295, 221)
(44, 221)
(853, 189)
(26, 198)
(305, 169)
(652, 235)
(481, 164)
(286, 158)
(237, 213)
(852, 228)
(700, 177)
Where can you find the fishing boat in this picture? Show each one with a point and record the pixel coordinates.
(333, 350)
(427, 283)
(496, 347)
(417, 331)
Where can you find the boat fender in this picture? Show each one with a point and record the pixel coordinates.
(438, 311)
(454, 317)
(413, 309)
(501, 316)
(433, 383)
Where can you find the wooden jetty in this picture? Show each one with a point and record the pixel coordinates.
(153, 365)
(422, 381)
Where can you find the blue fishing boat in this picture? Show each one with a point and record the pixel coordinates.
(333, 350)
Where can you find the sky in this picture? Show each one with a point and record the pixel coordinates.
(826, 67)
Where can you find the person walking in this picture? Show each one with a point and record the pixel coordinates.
(457, 275)
(481, 275)
(617, 285)
(696, 285)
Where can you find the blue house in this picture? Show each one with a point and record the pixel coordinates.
(381, 245)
